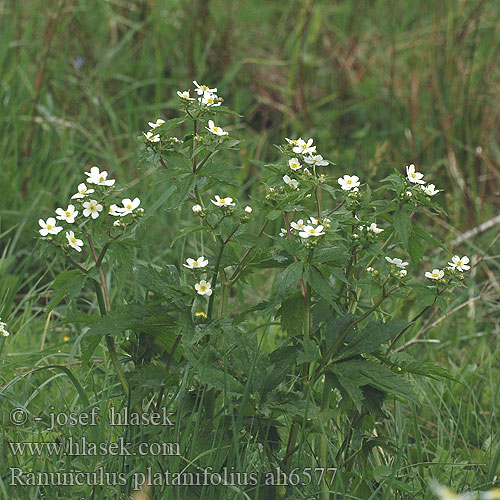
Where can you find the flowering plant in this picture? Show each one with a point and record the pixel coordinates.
(277, 326)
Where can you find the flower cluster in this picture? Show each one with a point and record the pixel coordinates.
(92, 202)
(417, 178)
(3, 329)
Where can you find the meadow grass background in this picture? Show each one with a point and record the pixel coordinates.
(378, 84)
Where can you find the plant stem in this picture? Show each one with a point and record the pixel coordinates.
(323, 444)
(104, 302)
(213, 283)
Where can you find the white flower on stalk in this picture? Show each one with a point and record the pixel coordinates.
(82, 192)
(185, 95)
(215, 129)
(3, 329)
(413, 175)
(292, 142)
(157, 123)
(293, 183)
(311, 231)
(397, 262)
(49, 227)
(223, 202)
(197, 208)
(92, 208)
(248, 209)
(349, 182)
(374, 228)
(203, 288)
(201, 89)
(294, 164)
(283, 232)
(430, 189)
(435, 274)
(303, 147)
(196, 263)
(299, 225)
(128, 206)
(67, 215)
(73, 241)
(459, 263)
(99, 178)
(209, 99)
(402, 273)
(312, 220)
(316, 160)
(152, 137)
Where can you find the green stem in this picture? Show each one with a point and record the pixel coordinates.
(110, 341)
(323, 444)
(213, 283)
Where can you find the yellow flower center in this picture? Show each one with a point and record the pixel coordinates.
(223, 200)
(459, 262)
(49, 226)
(311, 231)
(67, 213)
(102, 179)
(204, 87)
(202, 314)
(203, 288)
(195, 263)
(349, 181)
(216, 128)
(73, 239)
(128, 207)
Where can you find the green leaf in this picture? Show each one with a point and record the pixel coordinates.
(415, 248)
(68, 283)
(370, 338)
(402, 225)
(157, 280)
(290, 276)
(319, 284)
(310, 352)
(292, 312)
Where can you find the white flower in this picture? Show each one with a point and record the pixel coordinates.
(82, 191)
(304, 147)
(291, 182)
(436, 274)
(209, 99)
(316, 160)
(430, 189)
(67, 215)
(299, 225)
(307, 171)
(312, 220)
(157, 123)
(397, 262)
(73, 241)
(311, 231)
(128, 206)
(223, 202)
(248, 209)
(402, 273)
(349, 182)
(374, 228)
(283, 232)
(115, 210)
(196, 264)
(294, 164)
(92, 208)
(99, 178)
(3, 329)
(185, 95)
(292, 142)
(413, 176)
(215, 129)
(117, 223)
(203, 288)
(197, 208)
(49, 227)
(459, 263)
(201, 89)
(152, 137)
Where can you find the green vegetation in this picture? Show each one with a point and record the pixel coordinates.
(378, 84)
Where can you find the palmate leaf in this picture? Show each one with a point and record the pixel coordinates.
(402, 225)
(290, 276)
(291, 313)
(355, 374)
(371, 337)
(157, 280)
(67, 283)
